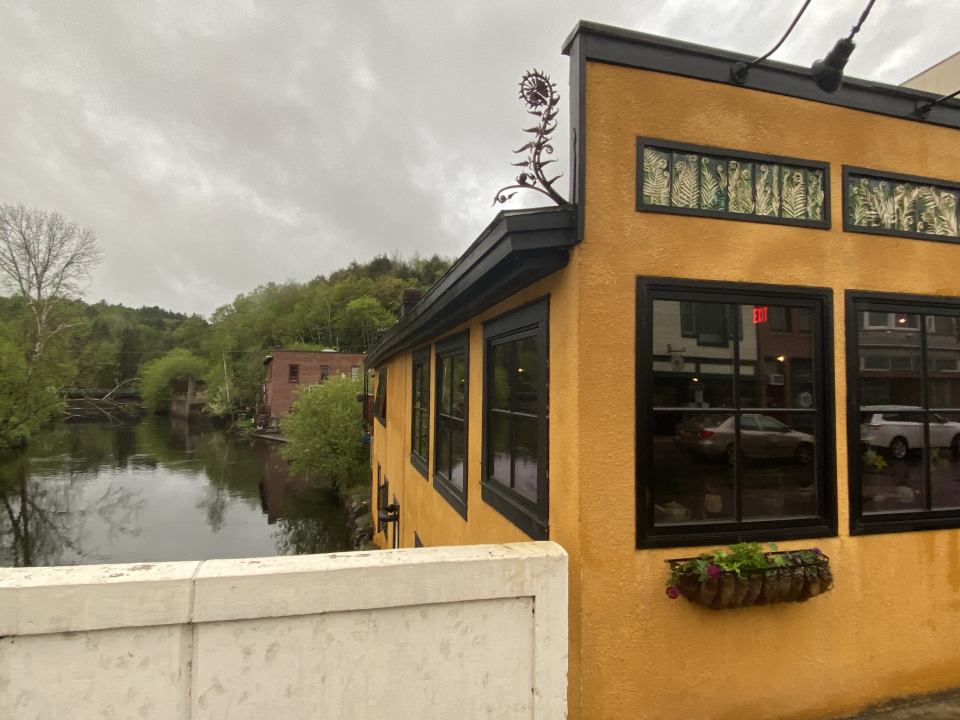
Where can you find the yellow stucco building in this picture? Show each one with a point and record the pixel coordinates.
(746, 326)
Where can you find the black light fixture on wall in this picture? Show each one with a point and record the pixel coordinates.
(828, 72)
(925, 106)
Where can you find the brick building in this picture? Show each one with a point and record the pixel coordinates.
(290, 370)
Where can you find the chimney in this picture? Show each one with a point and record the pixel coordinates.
(409, 300)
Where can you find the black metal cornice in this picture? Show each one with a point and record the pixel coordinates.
(617, 46)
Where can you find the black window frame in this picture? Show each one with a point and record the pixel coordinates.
(882, 175)
(293, 373)
(380, 400)
(726, 155)
(904, 521)
(687, 535)
(420, 359)
(529, 320)
(452, 347)
(382, 498)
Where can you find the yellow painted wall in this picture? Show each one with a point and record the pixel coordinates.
(891, 626)
(423, 510)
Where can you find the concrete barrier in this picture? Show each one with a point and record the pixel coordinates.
(444, 633)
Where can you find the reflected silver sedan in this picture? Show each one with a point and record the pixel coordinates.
(761, 436)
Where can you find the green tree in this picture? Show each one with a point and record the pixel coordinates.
(178, 364)
(359, 323)
(45, 260)
(325, 431)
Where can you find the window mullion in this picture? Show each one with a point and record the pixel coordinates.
(925, 401)
(738, 510)
(512, 413)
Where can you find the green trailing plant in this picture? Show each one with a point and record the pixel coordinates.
(656, 177)
(744, 575)
(685, 182)
(737, 558)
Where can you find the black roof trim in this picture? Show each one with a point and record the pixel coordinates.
(518, 248)
(617, 46)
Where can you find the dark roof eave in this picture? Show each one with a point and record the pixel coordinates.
(515, 250)
(618, 46)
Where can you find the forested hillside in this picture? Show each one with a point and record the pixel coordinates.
(102, 345)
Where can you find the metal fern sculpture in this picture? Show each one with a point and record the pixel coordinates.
(541, 98)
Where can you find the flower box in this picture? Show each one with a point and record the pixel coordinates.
(789, 577)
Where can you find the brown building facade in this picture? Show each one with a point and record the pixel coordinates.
(289, 371)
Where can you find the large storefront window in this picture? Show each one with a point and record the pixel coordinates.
(904, 411)
(514, 478)
(733, 418)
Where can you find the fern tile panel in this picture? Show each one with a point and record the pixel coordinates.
(656, 176)
(815, 195)
(793, 185)
(735, 184)
(768, 190)
(713, 184)
(899, 206)
(740, 187)
(685, 182)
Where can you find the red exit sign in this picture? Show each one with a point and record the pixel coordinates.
(759, 315)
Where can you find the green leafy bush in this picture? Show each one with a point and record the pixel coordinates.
(325, 430)
(178, 364)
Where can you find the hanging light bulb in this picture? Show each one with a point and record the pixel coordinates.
(828, 72)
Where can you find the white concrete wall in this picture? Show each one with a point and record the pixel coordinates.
(421, 634)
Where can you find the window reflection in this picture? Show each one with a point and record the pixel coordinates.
(692, 355)
(778, 470)
(693, 470)
(910, 434)
(707, 461)
(514, 443)
(451, 438)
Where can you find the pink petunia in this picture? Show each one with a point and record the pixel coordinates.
(713, 571)
(673, 593)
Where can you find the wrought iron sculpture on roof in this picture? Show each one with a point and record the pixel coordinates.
(540, 94)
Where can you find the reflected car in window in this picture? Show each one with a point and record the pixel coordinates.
(899, 429)
(761, 437)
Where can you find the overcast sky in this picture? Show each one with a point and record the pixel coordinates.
(215, 146)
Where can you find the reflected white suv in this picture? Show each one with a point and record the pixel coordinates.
(899, 428)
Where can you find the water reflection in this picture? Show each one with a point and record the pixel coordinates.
(163, 489)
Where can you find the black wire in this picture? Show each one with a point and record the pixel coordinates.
(789, 30)
(742, 72)
(863, 16)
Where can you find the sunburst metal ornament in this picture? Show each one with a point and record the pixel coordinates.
(539, 93)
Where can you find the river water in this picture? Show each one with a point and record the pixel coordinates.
(160, 489)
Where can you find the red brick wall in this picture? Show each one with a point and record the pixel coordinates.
(281, 393)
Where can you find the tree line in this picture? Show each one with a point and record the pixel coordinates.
(52, 340)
